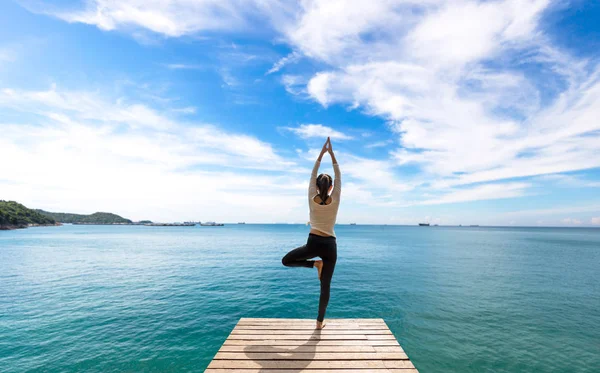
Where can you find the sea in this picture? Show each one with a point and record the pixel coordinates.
(79, 298)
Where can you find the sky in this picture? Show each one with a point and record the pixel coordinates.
(440, 111)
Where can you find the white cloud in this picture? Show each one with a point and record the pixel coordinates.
(318, 88)
(595, 221)
(185, 110)
(555, 211)
(570, 221)
(378, 144)
(290, 58)
(294, 84)
(481, 192)
(228, 78)
(571, 181)
(460, 32)
(333, 30)
(169, 17)
(459, 117)
(183, 66)
(318, 130)
(80, 150)
(376, 175)
(166, 138)
(86, 105)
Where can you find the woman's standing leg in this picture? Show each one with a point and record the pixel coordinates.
(329, 255)
(299, 257)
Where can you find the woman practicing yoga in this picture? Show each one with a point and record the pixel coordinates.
(321, 239)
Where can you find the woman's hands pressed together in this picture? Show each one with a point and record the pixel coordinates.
(330, 150)
(325, 149)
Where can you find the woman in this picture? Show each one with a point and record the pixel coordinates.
(321, 240)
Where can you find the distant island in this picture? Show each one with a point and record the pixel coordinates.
(14, 215)
(95, 218)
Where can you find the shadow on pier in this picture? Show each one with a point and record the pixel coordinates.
(273, 357)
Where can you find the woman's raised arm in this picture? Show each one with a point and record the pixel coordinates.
(312, 186)
(337, 184)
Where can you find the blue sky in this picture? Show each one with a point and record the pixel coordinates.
(451, 112)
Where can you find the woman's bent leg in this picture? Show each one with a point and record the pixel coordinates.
(299, 258)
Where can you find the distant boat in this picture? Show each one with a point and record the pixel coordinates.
(241, 222)
(423, 224)
(436, 225)
(352, 223)
(211, 224)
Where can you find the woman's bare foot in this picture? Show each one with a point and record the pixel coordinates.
(319, 265)
(320, 324)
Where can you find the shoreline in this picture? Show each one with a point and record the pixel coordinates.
(11, 227)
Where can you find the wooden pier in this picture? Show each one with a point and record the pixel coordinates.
(294, 345)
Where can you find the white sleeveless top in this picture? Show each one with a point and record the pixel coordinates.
(323, 217)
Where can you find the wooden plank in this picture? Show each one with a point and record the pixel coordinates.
(382, 370)
(308, 364)
(272, 320)
(311, 327)
(297, 337)
(286, 355)
(313, 348)
(272, 342)
(304, 337)
(374, 337)
(388, 348)
(398, 364)
(310, 323)
(311, 332)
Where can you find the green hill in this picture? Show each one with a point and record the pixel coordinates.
(95, 218)
(15, 215)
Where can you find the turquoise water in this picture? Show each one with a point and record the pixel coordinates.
(163, 299)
